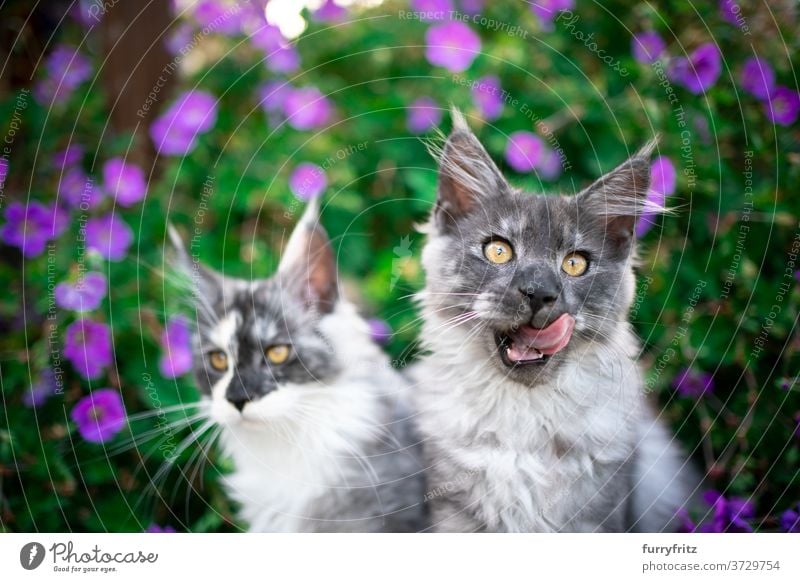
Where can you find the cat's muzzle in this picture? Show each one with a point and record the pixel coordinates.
(525, 345)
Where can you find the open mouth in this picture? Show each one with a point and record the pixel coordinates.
(527, 345)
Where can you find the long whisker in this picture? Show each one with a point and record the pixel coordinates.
(421, 318)
(203, 459)
(138, 440)
(164, 410)
(153, 483)
(421, 294)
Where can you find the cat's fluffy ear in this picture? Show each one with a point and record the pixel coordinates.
(308, 265)
(205, 284)
(467, 175)
(620, 196)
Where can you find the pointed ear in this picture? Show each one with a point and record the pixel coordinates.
(467, 175)
(308, 265)
(205, 284)
(620, 196)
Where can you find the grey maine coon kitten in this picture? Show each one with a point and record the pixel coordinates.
(313, 415)
(530, 402)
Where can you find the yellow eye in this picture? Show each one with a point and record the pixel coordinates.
(218, 360)
(498, 252)
(575, 264)
(277, 354)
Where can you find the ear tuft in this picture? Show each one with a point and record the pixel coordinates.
(458, 121)
(178, 248)
(620, 196)
(467, 174)
(205, 285)
(308, 264)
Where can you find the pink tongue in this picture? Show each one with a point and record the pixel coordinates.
(531, 343)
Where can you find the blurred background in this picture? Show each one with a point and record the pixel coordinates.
(226, 116)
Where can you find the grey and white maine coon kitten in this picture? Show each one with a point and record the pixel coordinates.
(530, 401)
(313, 415)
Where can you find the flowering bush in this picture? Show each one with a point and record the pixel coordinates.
(99, 430)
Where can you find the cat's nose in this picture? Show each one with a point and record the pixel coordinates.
(247, 386)
(238, 403)
(541, 290)
(238, 394)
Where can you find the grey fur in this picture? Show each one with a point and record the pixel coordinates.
(553, 446)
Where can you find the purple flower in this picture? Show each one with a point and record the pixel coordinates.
(273, 95)
(69, 156)
(524, 151)
(330, 11)
(175, 132)
(730, 515)
(471, 6)
(758, 78)
(70, 66)
(423, 114)
(268, 38)
(307, 108)
(85, 294)
(196, 110)
(379, 331)
(87, 13)
(77, 189)
(700, 71)
(488, 97)
(110, 236)
(663, 179)
(28, 227)
(65, 69)
(307, 181)
(57, 220)
(176, 343)
(155, 528)
(693, 383)
(549, 167)
(647, 47)
(124, 181)
(647, 220)
(87, 345)
(217, 16)
(172, 138)
(547, 10)
(179, 38)
(281, 57)
(452, 45)
(790, 519)
(100, 415)
(783, 106)
(730, 11)
(284, 60)
(41, 390)
(432, 9)
(3, 172)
